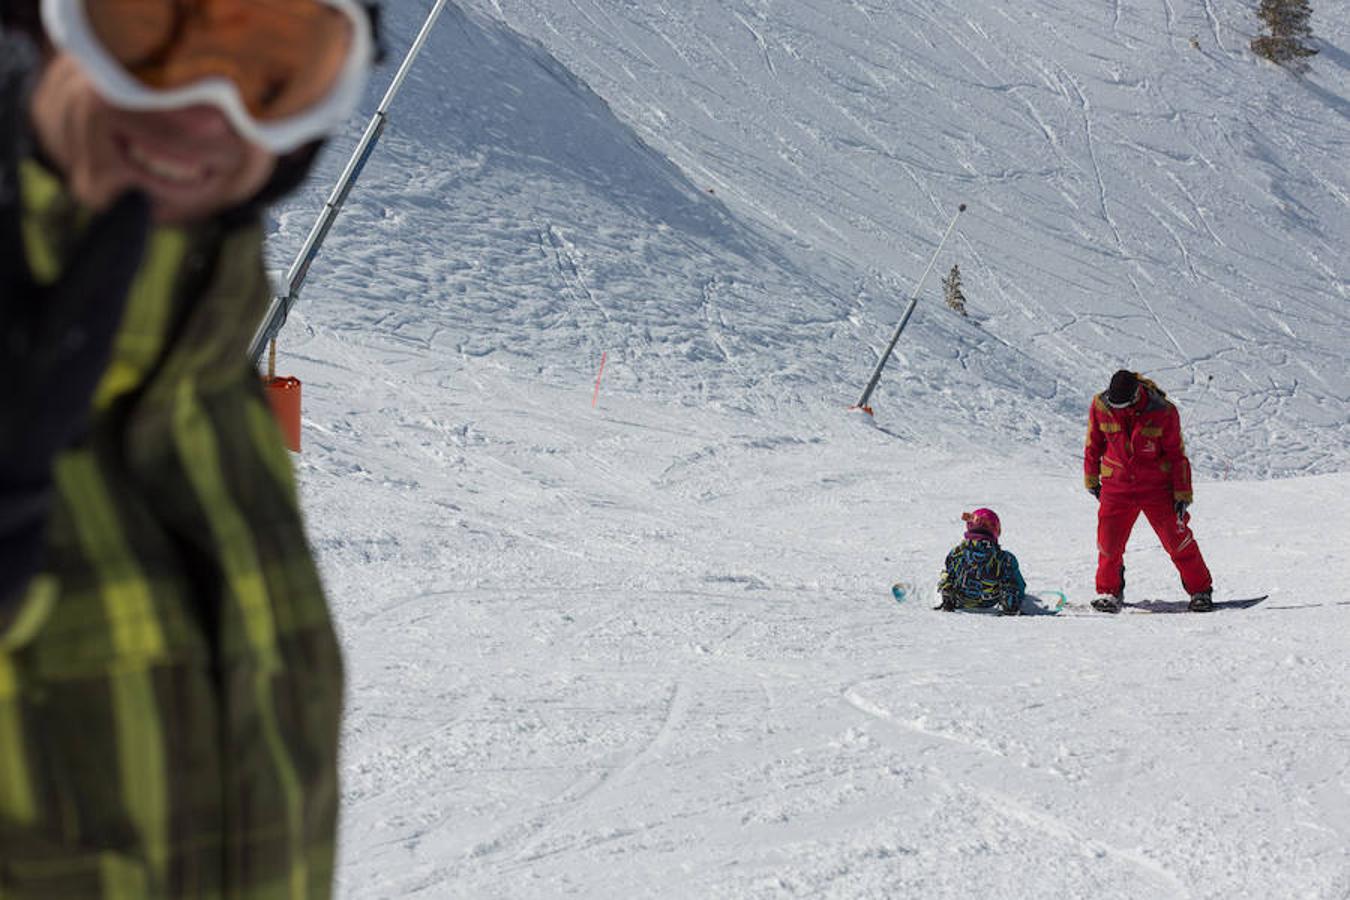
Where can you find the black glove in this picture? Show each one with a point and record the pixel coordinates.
(1095, 491)
(54, 347)
(1181, 506)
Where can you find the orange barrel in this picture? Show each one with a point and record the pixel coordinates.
(284, 396)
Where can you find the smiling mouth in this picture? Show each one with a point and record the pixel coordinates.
(165, 171)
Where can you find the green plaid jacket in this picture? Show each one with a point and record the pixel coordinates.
(170, 696)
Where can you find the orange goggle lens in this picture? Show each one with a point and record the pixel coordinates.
(283, 56)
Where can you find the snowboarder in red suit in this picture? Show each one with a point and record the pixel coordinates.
(1135, 462)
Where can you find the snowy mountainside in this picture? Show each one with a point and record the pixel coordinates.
(518, 219)
(509, 214)
(1136, 201)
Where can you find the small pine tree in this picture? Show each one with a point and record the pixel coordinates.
(951, 289)
(1287, 23)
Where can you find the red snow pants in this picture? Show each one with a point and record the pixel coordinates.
(1116, 515)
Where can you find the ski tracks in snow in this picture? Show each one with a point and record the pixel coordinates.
(761, 43)
(1214, 26)
(557, 826)
(572, 805)
(984, 772)
(1090, 140)
(569, 269)
(1085, 108)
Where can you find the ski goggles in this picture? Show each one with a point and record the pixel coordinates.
(284, 72)
(1134, 398)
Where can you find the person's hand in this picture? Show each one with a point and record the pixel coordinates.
(1181, 506)
(55, 342)
(1095, 491)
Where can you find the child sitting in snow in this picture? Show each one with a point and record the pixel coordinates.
(979, 574)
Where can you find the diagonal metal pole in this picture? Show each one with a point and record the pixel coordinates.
(909, 311)
(299, 271)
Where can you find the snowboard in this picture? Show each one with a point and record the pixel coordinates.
(1183, 606)
(1043, 597)
(1038, 603)
(1054, 603)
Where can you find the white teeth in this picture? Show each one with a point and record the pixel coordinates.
(168, 170)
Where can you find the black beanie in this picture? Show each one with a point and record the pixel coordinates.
(1123, 386)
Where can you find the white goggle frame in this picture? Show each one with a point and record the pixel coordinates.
(68, 27)
(1134, 398)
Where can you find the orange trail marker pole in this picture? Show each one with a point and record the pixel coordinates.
(596, 398)
(283, 396)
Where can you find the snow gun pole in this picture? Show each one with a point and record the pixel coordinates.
(295, 278)
(904, 320)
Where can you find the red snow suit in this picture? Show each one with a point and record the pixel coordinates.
(1138, 459)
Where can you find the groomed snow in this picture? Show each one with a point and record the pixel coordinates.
(647, 648)
(650, 651)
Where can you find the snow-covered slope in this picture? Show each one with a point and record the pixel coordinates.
(651, 652)
(1136, 200)
(646, 648)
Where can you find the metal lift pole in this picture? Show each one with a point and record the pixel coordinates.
(904, 320)
(295, 278)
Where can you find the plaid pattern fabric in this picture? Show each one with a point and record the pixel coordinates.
(169, 719)
(981, 574)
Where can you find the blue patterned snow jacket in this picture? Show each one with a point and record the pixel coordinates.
(980, 574)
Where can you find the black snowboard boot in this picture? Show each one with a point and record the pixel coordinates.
(1108, 603)
(1202, 602)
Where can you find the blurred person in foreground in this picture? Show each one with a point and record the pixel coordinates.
(170, 682)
